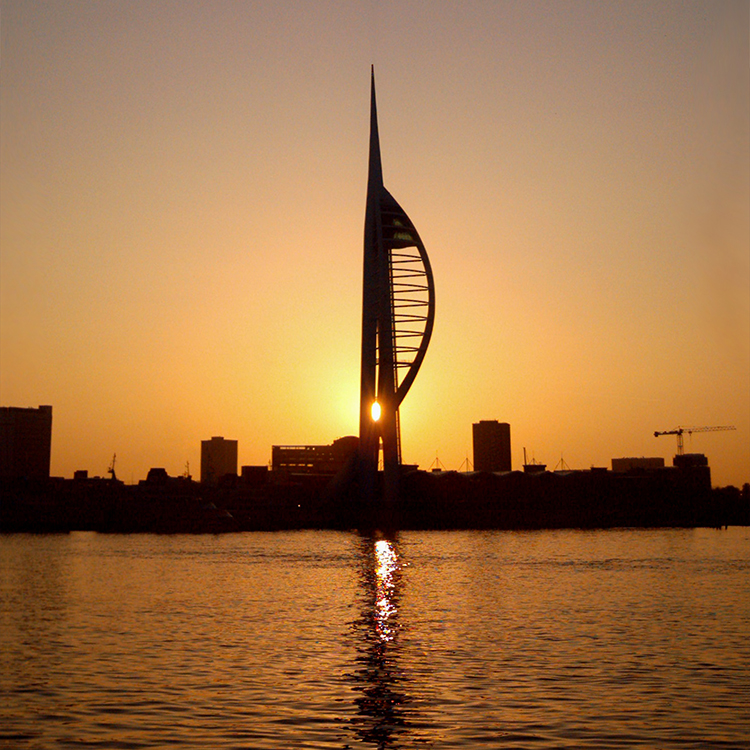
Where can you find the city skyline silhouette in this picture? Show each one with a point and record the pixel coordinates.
(181, 193)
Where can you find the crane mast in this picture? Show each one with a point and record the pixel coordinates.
(111, 469)
(680, 431)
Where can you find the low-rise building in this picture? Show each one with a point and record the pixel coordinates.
(622, 465)
(313, 459)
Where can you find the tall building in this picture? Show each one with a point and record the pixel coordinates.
(398, 311)
(25, 442)
(218, 458)
(491, 445)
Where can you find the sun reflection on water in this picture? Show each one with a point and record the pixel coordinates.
(382, 715)
(385, 609)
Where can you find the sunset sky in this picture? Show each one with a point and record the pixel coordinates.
(182, 194)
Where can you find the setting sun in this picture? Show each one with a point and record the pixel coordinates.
(375, 411)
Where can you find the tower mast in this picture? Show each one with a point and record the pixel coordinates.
(398, 309)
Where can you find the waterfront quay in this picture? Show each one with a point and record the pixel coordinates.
(427, 500)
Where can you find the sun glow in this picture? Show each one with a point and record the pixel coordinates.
(375, 411)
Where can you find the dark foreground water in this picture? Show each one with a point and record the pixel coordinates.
(605, 639)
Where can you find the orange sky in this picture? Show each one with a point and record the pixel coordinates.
(182, 192)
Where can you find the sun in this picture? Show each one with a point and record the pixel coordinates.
(375, 411)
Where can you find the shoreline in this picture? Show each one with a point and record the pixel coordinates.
(427, 501)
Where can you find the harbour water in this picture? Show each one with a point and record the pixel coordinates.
(317, 639)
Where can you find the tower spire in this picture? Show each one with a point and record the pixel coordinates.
(375, 177)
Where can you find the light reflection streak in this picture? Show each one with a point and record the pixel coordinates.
(381, 718)
(385, 610)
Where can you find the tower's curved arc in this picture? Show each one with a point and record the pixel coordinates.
(412, 291)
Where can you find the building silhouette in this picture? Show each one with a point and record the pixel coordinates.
(491, 445)
(313, 459)
(25, 442)
(218, 458)
(254, 476)
(621, 465)
(398, 312)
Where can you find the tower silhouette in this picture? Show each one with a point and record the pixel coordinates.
(398, 312)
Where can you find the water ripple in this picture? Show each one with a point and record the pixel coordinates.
(614, 639)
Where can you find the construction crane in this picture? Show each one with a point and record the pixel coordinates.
(111, 469)
(680, 431)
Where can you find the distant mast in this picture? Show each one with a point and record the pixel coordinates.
(398, 313)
